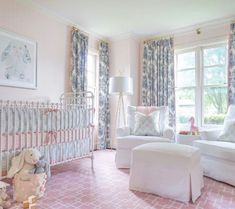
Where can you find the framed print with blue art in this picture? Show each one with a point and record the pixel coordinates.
(18, 61)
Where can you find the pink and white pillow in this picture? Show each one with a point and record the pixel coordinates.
(163, 116)
(147, 125)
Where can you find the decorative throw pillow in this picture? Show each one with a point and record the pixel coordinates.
(163, 116)
(228, 133)
(147, 125)
(131, 118)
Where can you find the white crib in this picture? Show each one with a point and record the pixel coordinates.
(61, 131)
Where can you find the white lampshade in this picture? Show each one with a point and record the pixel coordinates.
(121, 84)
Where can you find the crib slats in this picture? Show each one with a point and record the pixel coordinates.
(53, 128)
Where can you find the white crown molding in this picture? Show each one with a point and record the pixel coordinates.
(191, 29)
(210, 24)
(60, 19)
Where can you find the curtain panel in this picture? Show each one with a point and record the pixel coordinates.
(104, 110)
(158, 80)
(231, 65)
(79, 53)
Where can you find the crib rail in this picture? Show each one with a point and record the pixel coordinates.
(62, 131)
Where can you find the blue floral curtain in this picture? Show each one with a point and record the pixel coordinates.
(104, 111)
(158, 76)
(80, 53)
(231, 65)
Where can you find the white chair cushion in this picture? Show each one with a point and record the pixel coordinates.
(155, 166)
(131, 141)
(178, 151)
(147, 125)
(218, 149)
(228, 133)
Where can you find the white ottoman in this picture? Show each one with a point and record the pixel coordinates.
(168, 170)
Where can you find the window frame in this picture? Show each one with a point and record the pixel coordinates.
(224, 44)
(182, 51)
(199, 78)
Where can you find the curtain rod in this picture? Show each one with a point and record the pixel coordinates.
(101, 40)
(74, 28)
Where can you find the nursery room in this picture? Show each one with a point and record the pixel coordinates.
(117, 104)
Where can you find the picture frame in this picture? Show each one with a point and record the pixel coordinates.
(18, 61)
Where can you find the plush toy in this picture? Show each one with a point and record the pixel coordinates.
(24, 163)
(42, 167)
(25, 182)
(22, 190)
(4, 198)
(193, 129)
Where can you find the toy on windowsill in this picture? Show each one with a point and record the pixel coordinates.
(192, 128)
(4, 198)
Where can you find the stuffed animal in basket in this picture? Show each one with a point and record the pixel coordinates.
(25, 182)
(4, 198)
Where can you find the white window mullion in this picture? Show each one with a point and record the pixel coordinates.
(197, 89)
(199, 99)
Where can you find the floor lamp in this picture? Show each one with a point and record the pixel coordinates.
(121, 86)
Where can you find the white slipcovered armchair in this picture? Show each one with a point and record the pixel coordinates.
(218, 151)
(126, 140)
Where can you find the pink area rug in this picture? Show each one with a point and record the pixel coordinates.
(76, 185)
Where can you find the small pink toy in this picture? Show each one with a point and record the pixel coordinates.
(193, 129)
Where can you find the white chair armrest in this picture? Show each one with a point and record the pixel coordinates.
(169, 133)
(211, 135)
(124, 131)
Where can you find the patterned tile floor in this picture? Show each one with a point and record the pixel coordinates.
(75, 185)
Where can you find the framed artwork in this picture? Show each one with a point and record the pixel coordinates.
(18, 61)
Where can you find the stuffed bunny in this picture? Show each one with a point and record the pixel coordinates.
(25, 182)
(24, 189)
(24, 163)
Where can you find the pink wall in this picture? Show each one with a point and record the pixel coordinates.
(53, 39)
(124, 60)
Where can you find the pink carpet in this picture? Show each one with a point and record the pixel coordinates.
(76, 185)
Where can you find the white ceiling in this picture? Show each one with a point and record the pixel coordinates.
(111, 18)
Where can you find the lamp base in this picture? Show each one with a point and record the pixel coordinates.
(120, 114)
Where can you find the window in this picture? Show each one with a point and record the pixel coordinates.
(201, 85)
(92, 77)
